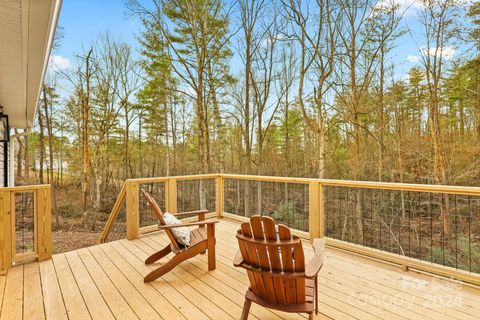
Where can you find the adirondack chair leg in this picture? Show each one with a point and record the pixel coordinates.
(172, 263)
(158, 255)
(201, 217)
(157, 273)
(211, 246)
(246, 309)
(315, 294)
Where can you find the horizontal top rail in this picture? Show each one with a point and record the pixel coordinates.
(403, 186)
(185, 177)
(267, 178)
(25, 188)
(460, 190)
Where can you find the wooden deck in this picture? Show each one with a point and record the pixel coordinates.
(106, 282)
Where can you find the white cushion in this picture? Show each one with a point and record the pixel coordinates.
(181, 234)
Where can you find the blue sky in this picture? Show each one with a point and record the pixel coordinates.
(84, 20)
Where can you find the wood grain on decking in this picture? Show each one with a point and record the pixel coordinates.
(106, 282)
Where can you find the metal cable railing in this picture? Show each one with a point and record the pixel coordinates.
(285, 202)
(119, 227)
(157, 191)
(433, 227)
(427, 227)
(196, 194)
(24, 221)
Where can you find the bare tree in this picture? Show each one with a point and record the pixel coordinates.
(438, 22)
(315, 29)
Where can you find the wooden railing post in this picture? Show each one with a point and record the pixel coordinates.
(321, 210)
(43, 224)
(315, 209)
(171, 196)
(5, 231)
(132, 205)
(219, 196)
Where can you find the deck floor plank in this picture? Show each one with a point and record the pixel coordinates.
(74, 302)
(176, 298)
(153, 296)
(432, 302)
(32, 291)
(190, 293)
(137, 302)
(115, 301)
(94, 300)
(13, 300)
(3, 281)
(106, 282)
(52, 295)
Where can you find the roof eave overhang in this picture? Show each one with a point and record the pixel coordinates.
(42, 24)
(38, 24)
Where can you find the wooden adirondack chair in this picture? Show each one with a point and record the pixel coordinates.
(201, 238)
(275, 264)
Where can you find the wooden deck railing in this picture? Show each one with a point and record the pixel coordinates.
(429, 228)
(25, 224)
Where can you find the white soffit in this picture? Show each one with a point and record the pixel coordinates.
(27, 28)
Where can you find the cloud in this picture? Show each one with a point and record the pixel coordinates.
(406, 77)
(410, 7)
(447, 52)
(405, 7)
(412, 58)
(58, 63)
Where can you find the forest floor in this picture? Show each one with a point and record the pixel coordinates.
(70, 235)
(71, 229)
(74, 237)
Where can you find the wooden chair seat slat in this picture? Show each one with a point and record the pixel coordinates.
(197, 235)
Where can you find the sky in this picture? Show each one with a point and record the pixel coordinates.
(84, 20)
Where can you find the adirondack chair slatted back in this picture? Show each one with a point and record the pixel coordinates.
(276, 262)
(159, 215)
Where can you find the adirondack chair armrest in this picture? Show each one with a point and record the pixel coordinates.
(316, 262)
(237, 262)
(197, 212)
(188, 224)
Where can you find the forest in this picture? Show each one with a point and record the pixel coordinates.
(285, 88)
